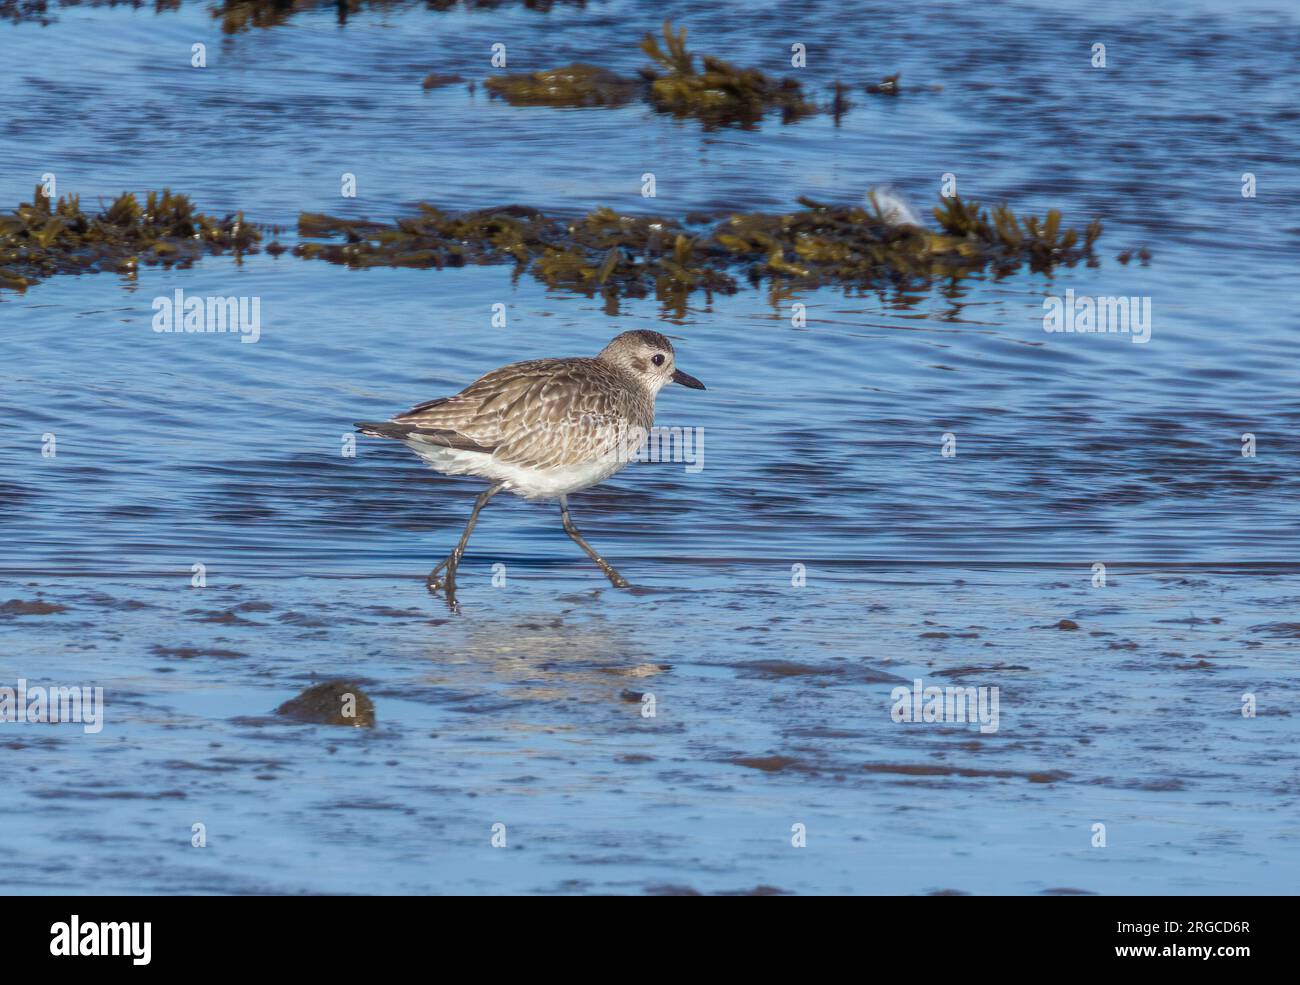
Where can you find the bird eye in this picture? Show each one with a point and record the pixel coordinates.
(657, 359)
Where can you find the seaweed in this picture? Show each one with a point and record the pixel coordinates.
(39, 11)
(840, 102)
(603, 253)
(331, 703)
(721, 93)
(570, 85)
(19, 11)
(38, 239)
(435, 80)
(1042, 245)
(622, 256)
(240, 15)
(888, 86)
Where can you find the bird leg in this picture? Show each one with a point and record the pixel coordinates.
(452, 561)
(617, 580)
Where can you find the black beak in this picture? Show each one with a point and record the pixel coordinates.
(686, 379)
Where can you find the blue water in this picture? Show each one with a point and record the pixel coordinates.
(822, 448)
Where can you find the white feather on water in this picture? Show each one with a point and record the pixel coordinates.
(890, 207)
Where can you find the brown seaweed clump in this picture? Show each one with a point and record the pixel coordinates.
(1011, 240)
(888, 86)
(634, 256)
(37, 240)
(331, 703)
(721, 93)
(436, 80)
(19, 11)
(603, 252)
(572, 85)
(239, 15)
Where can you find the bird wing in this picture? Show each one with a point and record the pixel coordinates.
(535, 414)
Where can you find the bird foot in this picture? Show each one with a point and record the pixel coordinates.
(444, 586)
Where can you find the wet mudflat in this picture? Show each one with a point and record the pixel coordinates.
(527, 712)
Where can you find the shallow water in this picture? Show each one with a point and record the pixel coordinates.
(822, 447)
